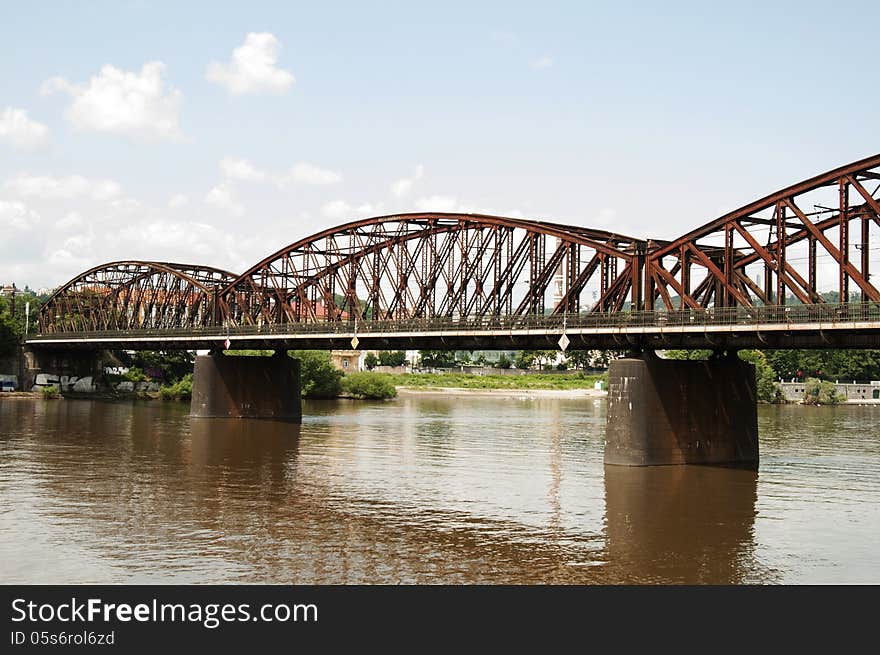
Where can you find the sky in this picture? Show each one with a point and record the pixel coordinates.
(217, 133)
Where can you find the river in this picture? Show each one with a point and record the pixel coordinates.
(424, 489)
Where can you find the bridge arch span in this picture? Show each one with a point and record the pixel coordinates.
(810, 243)
(127, 295)
(437, 265)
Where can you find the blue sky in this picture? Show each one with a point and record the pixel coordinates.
(120, 139)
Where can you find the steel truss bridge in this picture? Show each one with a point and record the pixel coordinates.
(792, 269)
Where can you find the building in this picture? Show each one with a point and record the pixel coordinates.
(348, 361)
(8, 290)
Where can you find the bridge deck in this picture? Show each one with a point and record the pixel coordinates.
(797, 326)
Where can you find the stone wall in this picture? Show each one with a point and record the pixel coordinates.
(854, 392)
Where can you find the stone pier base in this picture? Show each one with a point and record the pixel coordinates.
(246, 387)
(681, 412)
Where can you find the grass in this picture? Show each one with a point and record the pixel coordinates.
(462, 381)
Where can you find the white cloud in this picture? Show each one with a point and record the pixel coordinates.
(253, 67)
(221, 196)
(71, 186)
(541, 63)
(178, 200)
(336, 209)
(123, 102)
(243, 170)
(310, 174)
(17, 216)
(437, 204)
(339, 209)
(70, 221)
(20, 131)
(402, 187)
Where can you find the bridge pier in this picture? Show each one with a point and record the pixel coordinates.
(681, 412)
(247, 387)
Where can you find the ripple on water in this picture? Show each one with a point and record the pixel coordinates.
(424, 490)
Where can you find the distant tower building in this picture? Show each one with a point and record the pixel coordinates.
(558, 280)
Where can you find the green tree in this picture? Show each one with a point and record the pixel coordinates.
(371, 361)
(688, 354)
(437, 358)
(765, 378)
(166, 366)
(524, 359)
(529, 358)
(503, 361)
(862, 365)
(821, 392)
(318, 377)
(9, 337)
(392, 358)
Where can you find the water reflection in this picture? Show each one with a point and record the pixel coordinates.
(422, 490)
(681, 524)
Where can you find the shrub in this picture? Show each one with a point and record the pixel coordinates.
(319, 378)
(180, 390)
(371, 361)
(135, 374)
(820, 392)
(369, 385)
(49, 392)
(503, 361)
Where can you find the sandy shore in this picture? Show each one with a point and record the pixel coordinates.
(501, 393)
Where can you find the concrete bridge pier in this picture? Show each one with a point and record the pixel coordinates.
(681, 412)
(227, 386)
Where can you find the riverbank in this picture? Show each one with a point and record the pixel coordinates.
(536, 382)
(501, 393)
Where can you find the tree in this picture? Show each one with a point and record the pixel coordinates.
(437, 358)
(395, 358)
(318, 377)
(820, 392)
(592, 358)
(166, 366)
(371, 361)
(546, 357)
(8, 336)
(503, 361)
(524, 359)
(849, 365)
(688, 354)
(765, 378)
(528, 358)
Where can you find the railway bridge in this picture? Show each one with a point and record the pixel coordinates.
(790, 270)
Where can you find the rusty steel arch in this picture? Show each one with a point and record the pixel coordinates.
(129, 295)
(438, 265)
(779, 249)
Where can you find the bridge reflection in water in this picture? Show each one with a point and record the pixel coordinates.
(688, 525)
(423, 489)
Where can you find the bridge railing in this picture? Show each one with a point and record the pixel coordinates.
(748, 317)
